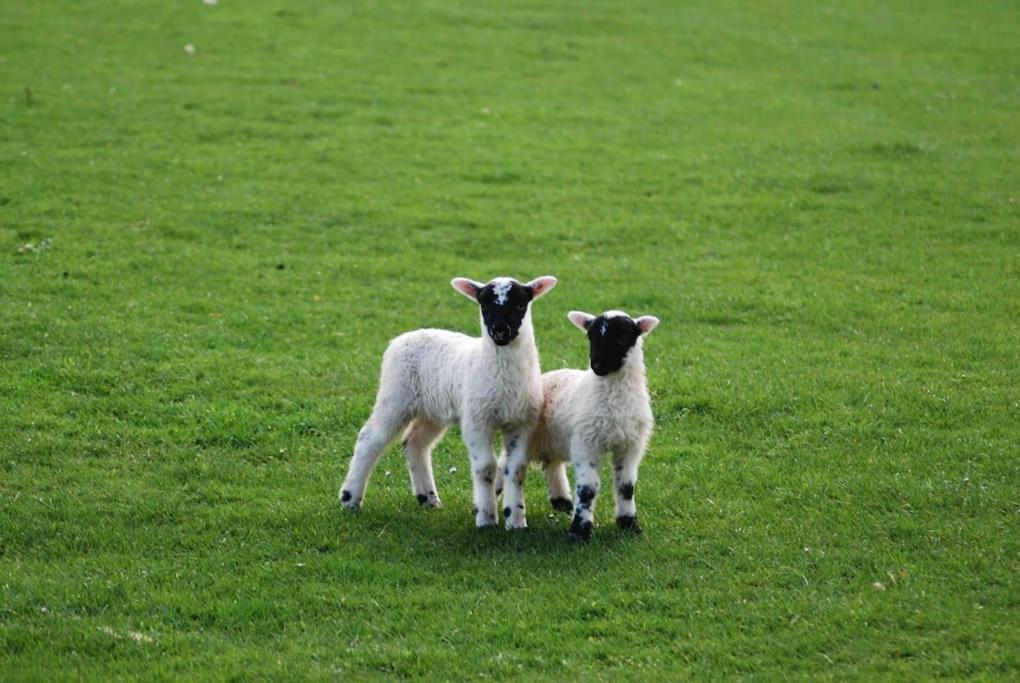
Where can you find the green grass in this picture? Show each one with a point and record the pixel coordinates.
(820, 202)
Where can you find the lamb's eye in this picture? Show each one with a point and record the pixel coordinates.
(622, 341)
(522, 307)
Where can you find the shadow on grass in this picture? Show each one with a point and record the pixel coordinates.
(450, 533)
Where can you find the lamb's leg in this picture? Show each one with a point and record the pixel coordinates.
(419, 439)
(514, 471)
(586, 462)
(373, 438)
(478, 440)
(500, 471)
(557, 485)
(625, 470)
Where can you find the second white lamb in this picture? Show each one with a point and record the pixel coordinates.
(588, 413)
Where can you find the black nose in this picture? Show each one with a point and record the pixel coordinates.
(501, 334)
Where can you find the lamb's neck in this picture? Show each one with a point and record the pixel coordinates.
(628, 379)
(520, 353)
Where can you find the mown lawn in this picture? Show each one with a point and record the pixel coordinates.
(203, 255)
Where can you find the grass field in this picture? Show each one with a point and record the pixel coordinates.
(820, 201)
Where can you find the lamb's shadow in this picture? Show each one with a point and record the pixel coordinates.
(446, 540)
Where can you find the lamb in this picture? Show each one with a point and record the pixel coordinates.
(431, 379)
(586, 413)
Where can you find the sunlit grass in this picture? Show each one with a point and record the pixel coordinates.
(819, 202)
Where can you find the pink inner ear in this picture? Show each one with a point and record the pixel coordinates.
(647, 323)
(467, 287)
(581, 320)
(541, 285)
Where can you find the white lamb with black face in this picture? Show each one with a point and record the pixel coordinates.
(587, 413)
(431, 379)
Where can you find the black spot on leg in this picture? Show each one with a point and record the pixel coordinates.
(422, 498)
(512, 445)
(585, 494)
(506, 512)
(561, 504)
(486, 473)
(593, 464)
(580, 530)
(520, 506)
(345, 497)
(506, 471)
(627, 490)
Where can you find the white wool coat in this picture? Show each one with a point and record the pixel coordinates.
(450, 378)
(591, 415)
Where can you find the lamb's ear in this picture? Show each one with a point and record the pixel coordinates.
(647, 323)
(541, 285)
(581, 319)
(468, 288)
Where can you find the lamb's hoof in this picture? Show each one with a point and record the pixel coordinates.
(514, 520)
(348, 500)
(429, 500)
(580, 532)
(629, 524)
(485, 520)
(562, 504)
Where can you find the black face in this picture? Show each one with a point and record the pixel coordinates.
(610, 340)
(504, 305)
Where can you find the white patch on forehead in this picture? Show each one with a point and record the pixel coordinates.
(611, 314)
(501, 288)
